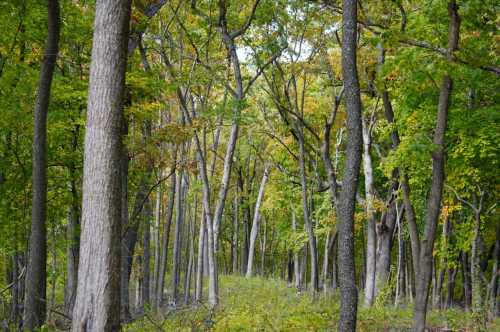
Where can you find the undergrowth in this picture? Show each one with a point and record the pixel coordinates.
(259, 304)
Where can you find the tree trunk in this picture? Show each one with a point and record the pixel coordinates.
(73, 234)
(146, 260)
(200, 267)
(423, 274)
(157, 246)
(476, 277)
(371, 234)
(36, 274)
(305, 210)
(347, 199)
(190, 248)
(255, 224)
(179, 221)
(296, 262)
(494, 289)
(166, 233)
(235, 234)
(466, 281)
(97, 305)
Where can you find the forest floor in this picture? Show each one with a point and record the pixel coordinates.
(259, 304)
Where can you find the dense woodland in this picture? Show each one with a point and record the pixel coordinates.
(228, 165)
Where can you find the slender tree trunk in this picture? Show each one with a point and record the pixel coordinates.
(255, 224)
(179, 221)
(97, 305)
(200, 267)
(146, 260)
(235, 234)
(190, 248)
(450, 287)
(36, 274)
(157, 246)
(73, 234)
(124, 167)
(307, 219)
(166, 233)
(296, 262)
(423, 274)
(495, 273)
(466, 281)
(371, 234)
(347, 199)
(476, 277)
(263, 249)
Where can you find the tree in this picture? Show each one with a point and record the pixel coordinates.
(35, 296)
(97, 305)
(347, 199)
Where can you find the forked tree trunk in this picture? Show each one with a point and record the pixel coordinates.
(36, 274)
(97, 305)
(347, 199)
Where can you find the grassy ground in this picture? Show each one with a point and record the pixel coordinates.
(269, 305)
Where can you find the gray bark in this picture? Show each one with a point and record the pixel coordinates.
(347, 199)
(36, 274)
(424, 271)
(97, 305)
(165, 237)
(371, 243)
(255, 223)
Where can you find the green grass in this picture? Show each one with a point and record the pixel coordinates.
(269, 305)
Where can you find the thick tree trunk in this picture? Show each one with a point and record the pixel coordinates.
(255, 223)
(347, 199)
(97, 305)
(36, 274)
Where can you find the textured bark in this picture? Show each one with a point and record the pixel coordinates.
(255, 224)
(36, 274)
(424, 272)
(347, 199)
(97, 305)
